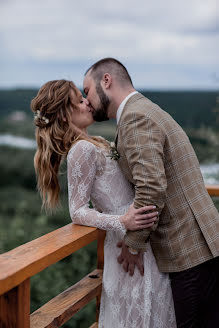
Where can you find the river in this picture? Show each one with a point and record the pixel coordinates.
(18, 142)
(210, 171)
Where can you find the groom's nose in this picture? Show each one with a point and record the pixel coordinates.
(86, 102)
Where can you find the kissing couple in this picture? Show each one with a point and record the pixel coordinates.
(161, 264)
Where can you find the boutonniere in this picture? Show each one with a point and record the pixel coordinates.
(113, 153)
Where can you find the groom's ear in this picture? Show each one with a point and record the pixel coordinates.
(107, 80)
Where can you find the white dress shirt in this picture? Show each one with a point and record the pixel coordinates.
(122, 105)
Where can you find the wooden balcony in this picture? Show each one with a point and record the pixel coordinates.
(20, 264)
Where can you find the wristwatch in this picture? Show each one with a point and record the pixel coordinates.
(133, 251)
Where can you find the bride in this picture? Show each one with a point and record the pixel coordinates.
(62, 116)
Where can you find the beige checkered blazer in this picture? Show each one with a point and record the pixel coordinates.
(157, 158)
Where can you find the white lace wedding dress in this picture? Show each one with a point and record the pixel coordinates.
(126, 302)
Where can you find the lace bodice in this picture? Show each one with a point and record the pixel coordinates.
(94, 176)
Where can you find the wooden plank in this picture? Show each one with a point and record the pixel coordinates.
(61, 308)
(94, 325)
(15, 307)
(27, 260)
(213, 190)
(100, 249)
(100, 264)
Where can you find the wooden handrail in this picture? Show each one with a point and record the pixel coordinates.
(20, 264)
(23, 262)
(213, 190)
(29, 259)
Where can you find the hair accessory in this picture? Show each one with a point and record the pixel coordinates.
(38, 115)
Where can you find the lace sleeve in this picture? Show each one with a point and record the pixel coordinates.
(82, 167)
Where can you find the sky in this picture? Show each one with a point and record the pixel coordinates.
(167, 44)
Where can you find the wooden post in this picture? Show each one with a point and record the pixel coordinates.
(15, 307)
(100, 263)
(100, 249)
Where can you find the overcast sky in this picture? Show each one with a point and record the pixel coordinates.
(164, 44)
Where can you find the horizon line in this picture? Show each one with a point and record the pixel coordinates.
(213, 89)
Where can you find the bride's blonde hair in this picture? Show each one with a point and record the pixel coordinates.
(55, 134)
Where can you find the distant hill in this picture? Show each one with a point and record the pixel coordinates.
(188, 108)
(16, 100)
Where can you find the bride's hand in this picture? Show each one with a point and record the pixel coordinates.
(137, 219)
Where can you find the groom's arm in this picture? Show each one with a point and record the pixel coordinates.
(143, 142)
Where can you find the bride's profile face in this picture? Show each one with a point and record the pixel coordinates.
(82, 116)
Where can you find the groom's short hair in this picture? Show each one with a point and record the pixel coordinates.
(111, 66)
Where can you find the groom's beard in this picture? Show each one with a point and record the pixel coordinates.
(101, 113)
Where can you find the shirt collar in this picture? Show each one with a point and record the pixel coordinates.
(122, 105)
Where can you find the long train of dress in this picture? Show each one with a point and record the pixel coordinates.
(126, 302)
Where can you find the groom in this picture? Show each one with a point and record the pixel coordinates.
(158, 159)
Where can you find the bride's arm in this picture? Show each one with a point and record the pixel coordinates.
(82, 167)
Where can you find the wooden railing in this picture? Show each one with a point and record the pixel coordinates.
(20, 264)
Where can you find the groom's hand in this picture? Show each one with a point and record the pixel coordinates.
(129, 261)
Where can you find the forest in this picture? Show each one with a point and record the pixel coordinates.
(21, 216)
(189, 108)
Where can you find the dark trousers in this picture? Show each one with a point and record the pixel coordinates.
(196, 295)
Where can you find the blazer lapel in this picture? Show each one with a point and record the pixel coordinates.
(130, 100)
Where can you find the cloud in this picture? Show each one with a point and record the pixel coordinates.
(159, 33)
